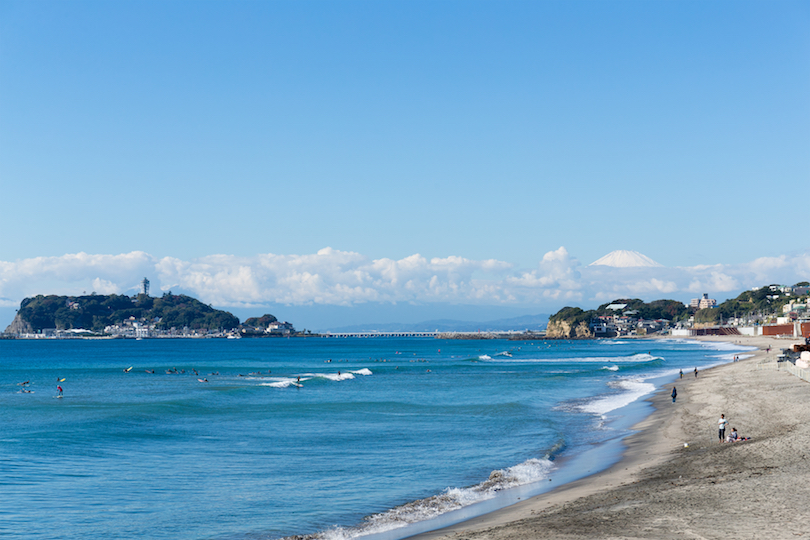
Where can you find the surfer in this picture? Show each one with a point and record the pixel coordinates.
(59, 388)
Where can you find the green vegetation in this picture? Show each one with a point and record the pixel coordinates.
(707, 316)
(764, 301)
(760, 303)
(95, 312)
(573, 316)
(259, 322)
(670, 310)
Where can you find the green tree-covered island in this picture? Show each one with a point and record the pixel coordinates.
(170, 315)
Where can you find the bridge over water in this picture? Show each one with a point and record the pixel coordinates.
(378, 334)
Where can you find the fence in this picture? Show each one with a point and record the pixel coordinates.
(803, 374)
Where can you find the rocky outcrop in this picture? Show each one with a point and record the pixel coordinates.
(563, 329)
(19, 326)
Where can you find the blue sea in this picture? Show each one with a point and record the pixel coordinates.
(334, 438)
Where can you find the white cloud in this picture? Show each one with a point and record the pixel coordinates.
(333, 277)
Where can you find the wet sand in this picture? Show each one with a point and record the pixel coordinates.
(663, 490)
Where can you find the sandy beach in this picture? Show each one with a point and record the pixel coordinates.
(662, 489)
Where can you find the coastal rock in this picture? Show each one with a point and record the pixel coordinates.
(19, 326)
(563, 329)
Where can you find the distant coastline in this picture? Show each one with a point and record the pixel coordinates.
(137, 317)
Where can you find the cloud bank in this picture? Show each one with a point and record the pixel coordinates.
(343, 278)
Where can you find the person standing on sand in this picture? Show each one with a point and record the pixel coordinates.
(695, 372)
(681, 372)
(721, 427)
(674, 394)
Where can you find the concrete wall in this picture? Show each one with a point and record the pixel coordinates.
(803, 374)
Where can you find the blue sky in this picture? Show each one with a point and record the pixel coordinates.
(196, 141)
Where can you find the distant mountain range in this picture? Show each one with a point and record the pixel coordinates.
(525, 322)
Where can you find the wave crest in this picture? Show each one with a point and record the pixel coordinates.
(451, 499)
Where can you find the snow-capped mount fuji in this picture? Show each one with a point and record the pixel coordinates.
(624, 259)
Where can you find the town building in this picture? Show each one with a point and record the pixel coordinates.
(703, 303)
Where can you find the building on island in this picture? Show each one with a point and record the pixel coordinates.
(280, 327)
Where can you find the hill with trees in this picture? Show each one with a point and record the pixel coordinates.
(756, 304)
(259, 323)
(96, 312)
(753, 306)
(574, 322)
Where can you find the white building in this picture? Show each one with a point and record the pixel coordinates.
(703, 303)
(280, 327)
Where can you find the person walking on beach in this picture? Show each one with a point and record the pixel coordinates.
(721, 427)
(696, 373)
(674, 394)
(681, 374)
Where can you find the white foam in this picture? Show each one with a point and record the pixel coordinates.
(714, 345)
(633, 389)
(485, 357)
(282, 382)
(611, 368)
(364, 371)
(451, 499)
(340, 376)
(636, 358)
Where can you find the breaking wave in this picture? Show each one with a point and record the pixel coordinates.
(284, 382)
(630, 391)
(635, 358)
(451, 499)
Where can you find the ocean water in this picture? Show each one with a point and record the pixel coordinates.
(336, 438)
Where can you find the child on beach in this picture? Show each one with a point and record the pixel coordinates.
(735, 437)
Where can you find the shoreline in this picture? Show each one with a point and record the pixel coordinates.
(661, 489)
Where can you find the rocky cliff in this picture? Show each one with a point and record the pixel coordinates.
(19, 326)
(563, 329)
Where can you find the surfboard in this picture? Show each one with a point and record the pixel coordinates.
(61, 380)
(128, 369)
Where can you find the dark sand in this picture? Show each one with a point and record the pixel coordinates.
(663, 490)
